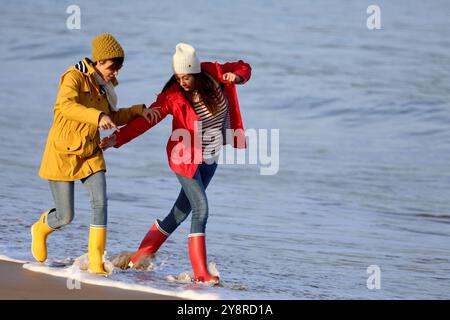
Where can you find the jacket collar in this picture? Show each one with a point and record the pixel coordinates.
(86, 66)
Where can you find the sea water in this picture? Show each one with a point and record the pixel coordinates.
(362, 188)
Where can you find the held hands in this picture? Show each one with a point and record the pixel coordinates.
(105, 123)
(151, 114)
(108, 142)
(231, 77)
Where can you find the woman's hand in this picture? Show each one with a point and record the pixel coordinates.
(231, 77)
(105, 123)
(108, 142)
(151, 114)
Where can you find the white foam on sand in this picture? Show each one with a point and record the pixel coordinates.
(6, 258)
(76, 273)
(188, 276)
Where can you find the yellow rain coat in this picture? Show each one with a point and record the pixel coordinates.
(72, 151)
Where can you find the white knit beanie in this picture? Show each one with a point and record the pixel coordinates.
(185, 60)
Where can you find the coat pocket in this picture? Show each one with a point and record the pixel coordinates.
(73, 146)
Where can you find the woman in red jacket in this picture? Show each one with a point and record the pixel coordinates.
(203, 102)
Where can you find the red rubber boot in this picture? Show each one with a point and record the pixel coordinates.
(197, 254)
(154, 238)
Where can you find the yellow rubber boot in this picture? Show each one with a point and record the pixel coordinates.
(97, 244)
(39, 232)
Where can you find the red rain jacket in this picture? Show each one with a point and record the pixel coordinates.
(184, 151)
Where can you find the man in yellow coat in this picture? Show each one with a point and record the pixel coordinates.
(86, 102)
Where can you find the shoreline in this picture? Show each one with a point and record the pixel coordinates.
(17, 283)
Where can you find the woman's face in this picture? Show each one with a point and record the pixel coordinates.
(107, 69)
(186, 81)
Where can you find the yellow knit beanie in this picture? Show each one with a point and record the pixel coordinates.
(105, 46)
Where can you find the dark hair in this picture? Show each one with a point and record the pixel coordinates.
(116, 62)
(204, 86)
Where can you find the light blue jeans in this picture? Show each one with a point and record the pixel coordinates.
(192, 197)
(63, 195)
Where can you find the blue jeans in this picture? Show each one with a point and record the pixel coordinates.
(192, 197)
(63, 195)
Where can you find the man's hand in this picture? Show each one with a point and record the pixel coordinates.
(105, 123)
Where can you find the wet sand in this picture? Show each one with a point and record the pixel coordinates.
(17, 283)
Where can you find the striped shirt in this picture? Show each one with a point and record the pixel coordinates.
(212, 125)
